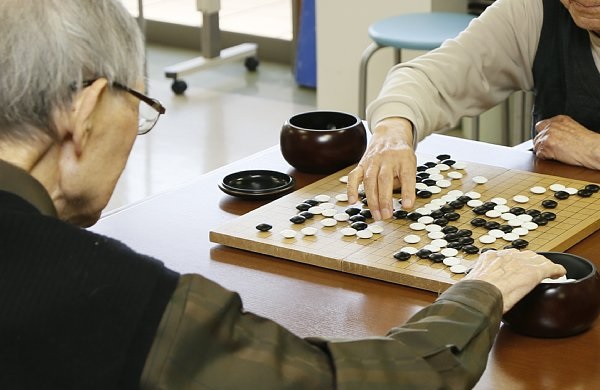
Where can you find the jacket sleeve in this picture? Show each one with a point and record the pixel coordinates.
(206, 340)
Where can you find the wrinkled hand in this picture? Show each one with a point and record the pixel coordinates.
(562, 138)
(389, 162)
(514, 272)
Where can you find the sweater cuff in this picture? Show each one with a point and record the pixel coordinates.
(477, 294)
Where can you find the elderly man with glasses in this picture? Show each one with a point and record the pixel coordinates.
(82, 311)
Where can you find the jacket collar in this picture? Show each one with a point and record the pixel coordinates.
(19, 182)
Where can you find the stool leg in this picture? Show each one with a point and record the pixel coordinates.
(362, 79)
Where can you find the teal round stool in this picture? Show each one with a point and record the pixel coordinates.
(416, 31)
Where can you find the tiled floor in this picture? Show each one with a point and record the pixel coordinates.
(227, 113)
(269, 18)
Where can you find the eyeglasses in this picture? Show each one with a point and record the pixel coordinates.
(149, 112)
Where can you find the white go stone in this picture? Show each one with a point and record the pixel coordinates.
(459, 165)
(425, 220)
(530, 225)
(537, 190)
(497, 233)
(341, 197)
(366, 233)
(409, 249)
(487, 239)
(510, 236)
(327, 205)
(329, 213)
(348, 231)
(434, 189)
(436, 235)
(499, 201)
(443, 183)
(344, 179)
(316, 210)
(437, 201)
(473, 194)
(449, 252)
(412, 239)
(508, 216)
(322, 198)
(451, 261)
(525, 217)
(521, 231)
(557, 187)
(458, 269)
(420, 186)
(341, 217)
(423, 211)
(502, 208)
(309, 231)
(329, 222)
(571, 190)
(474, 203)
(480, 179)
(448, 198)
(456, 193)
(432, 171)
(521, 198)
(516, 222)
(454, 175)
(439, 242)
(433, 228)
(436, 176)
(433, 206)
(417, 226)
(288, 233)
(375, 228)
(433, 248)
(493, 213)
(443, 167)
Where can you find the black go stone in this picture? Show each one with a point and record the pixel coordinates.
(540, 220)
(306, 214)
(506, 228)
(441, 221)
(364, 202)
(517, 210)
(480, 210)
(452, 216)
(264, 227)
(592, 187)
(422, 168)
(451, 237)
(585, 193)
(414, 216)
(311, 202)
(465, 233)
(357, 218)
(423, 194)
(303, 206)
(430, 164)
(549, 204)
(478, 222)
(470, 249)
(423, 253)
(548, 215)
(443, 157)
(454, 245)
(457, 204)
(297, 219)
(466, 241)
(519, 243)
(562, 195)
(436, 257)
(429, 182)
(483, 250)
(419, 179)
(449, 162)
(464, 199)
(489, 205)
(437, 214)
(366, 213)
(402, 256)
(534, 212)
(489, 225)
(362, 193)
(352, 211)
(400, 214)
(423, 175)
(449, 229)
(447, 208)
(359, 225)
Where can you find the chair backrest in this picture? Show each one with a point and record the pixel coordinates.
(476, 7)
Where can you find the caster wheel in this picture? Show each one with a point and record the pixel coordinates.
(251, 63)
(178, 87)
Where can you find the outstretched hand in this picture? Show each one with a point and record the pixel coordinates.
(388, 163)
(514, 272)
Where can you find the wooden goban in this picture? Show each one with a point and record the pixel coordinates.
(577, 217)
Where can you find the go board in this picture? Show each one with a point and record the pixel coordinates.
(575, 218)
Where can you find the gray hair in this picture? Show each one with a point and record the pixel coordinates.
(48, 47)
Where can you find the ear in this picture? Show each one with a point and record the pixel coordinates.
(83, 110)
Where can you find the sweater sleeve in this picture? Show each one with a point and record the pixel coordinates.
(491, 59)
(206, 340)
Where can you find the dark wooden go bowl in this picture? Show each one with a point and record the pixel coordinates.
(559, 309)
(323, 141)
